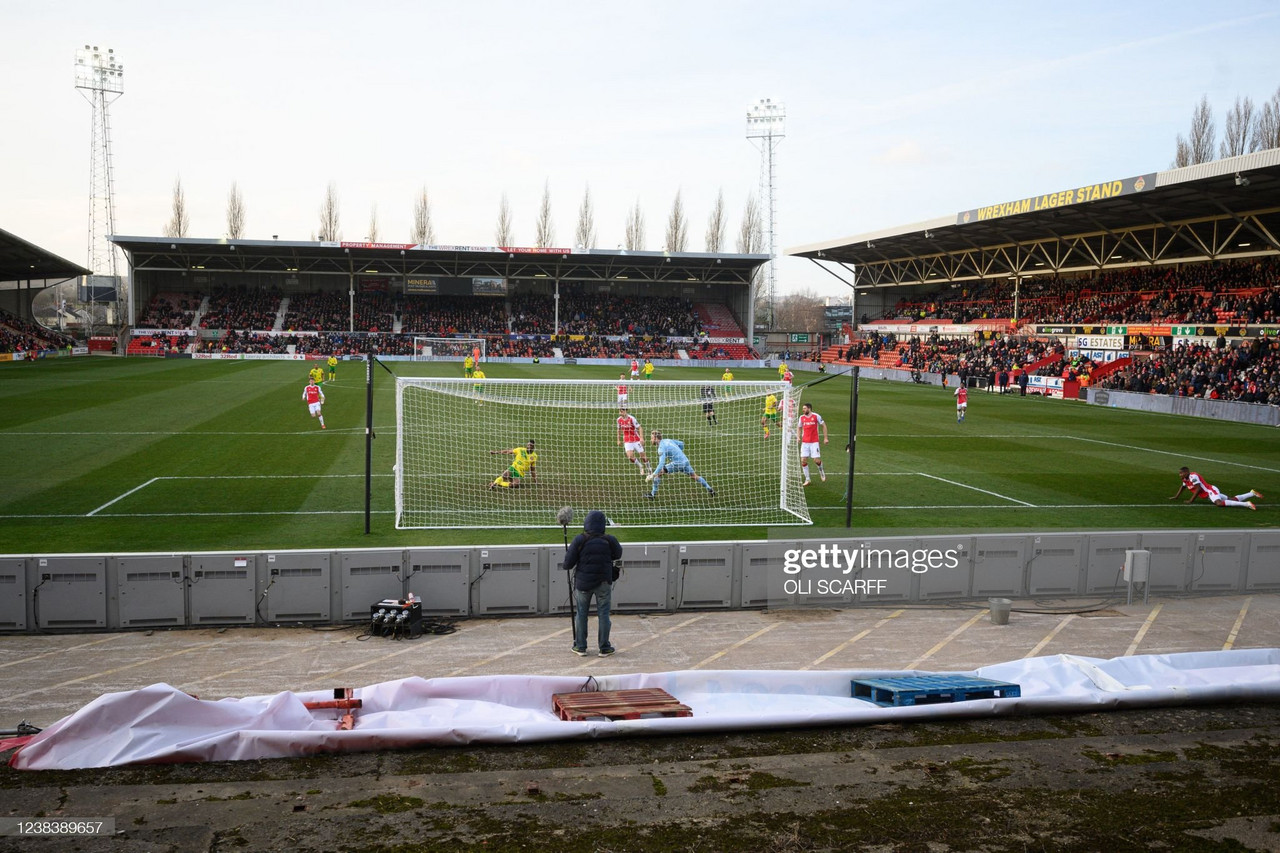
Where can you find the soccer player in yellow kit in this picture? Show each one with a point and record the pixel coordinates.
(770, 417)
(524, 465)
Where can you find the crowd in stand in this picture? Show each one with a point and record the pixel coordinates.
(1245, 290)
(18, 335)
(445, 316)
(1248, 372)
(242, 308)
(171, 311)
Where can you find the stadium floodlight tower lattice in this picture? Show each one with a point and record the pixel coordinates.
(766, 121)
(447, 349)
(100, 79)
(454, 438)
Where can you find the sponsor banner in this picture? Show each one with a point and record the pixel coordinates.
(276, 356)
(177, 333)
(1093, 342)
(1061, 198)
(79, 350)
(421, 285)
(533, 250)
(721, 340)
(1049, 386)
(8, 356)
(217, 356)
(1100, 356)
(946, 329)
(375, 285)
(365, 245)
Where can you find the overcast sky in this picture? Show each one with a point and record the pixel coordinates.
(896, 112)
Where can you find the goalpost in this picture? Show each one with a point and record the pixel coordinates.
(451, 434)
(446, 349)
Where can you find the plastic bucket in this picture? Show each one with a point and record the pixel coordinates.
(1000, 608)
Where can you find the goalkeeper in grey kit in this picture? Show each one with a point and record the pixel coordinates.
(671, 460)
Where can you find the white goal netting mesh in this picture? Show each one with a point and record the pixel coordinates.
(447, 349)
(456, 437)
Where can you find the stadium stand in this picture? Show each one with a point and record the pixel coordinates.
(18, 335)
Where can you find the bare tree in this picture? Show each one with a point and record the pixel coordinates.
(1238, 129)
(1201, 139)
(235, 213)
(716, 224)
(1181, 153)
(179, 222)
(750, 240)
(634, 240)
(373, 225)
(502, 234)
(677, 226)
(1266, 130)
(424, 234)
(544, 234)
(330, 221)
(585, 236)
(801, 311)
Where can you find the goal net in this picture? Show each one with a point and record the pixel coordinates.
(455, 437)
(446, 349)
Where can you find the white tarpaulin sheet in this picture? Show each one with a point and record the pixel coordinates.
(162, 724)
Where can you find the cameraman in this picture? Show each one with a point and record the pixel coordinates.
(594, 554)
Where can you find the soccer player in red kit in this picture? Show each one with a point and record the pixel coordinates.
(630, 439)
(962, 403)
(314, 398)
(810, 421)
(1192, 482)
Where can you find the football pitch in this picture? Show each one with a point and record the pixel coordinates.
(141, 455)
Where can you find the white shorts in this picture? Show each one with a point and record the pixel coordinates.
(634, 374)
(314, 409)
(810, 448)
(1213, 494)
(622, 398)
(962, 405)
(633, 446)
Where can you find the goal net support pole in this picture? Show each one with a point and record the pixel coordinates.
(456, 436)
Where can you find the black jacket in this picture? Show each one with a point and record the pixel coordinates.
(592, 553)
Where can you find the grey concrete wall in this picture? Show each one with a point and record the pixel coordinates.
(1223, 410)
(107, 592)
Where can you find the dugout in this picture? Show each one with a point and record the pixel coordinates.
(1225, 209)
(187, 265)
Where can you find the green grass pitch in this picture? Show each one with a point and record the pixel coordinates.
(115, 455)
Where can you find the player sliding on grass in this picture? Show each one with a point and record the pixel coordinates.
(524, 466)
(314, 398)
(1192, 482)
(630, 439)
(671, 460)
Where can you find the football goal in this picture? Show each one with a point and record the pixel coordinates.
(457, 440)
(446, 349)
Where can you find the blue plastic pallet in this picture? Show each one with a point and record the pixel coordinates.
(931, 689)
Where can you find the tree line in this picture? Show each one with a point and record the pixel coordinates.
(1246, 128)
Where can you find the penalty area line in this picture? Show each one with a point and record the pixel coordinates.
(122, 497)
(976, 489)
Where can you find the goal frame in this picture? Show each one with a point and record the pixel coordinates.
(419, 341)
(790, 507)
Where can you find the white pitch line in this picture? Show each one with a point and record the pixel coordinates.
(1179, 455)
(976, 489)
(125, 495)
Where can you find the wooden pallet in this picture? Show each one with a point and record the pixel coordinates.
(641, 704)
(931, 689)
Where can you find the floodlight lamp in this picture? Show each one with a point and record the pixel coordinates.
(870, 245)
(173, 245)
(928, 235)
(1241, 180)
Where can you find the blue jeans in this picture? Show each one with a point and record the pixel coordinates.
(582, 603)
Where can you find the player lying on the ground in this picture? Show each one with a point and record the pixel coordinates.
(671, 460)
(1197, 486)
(524, 466)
